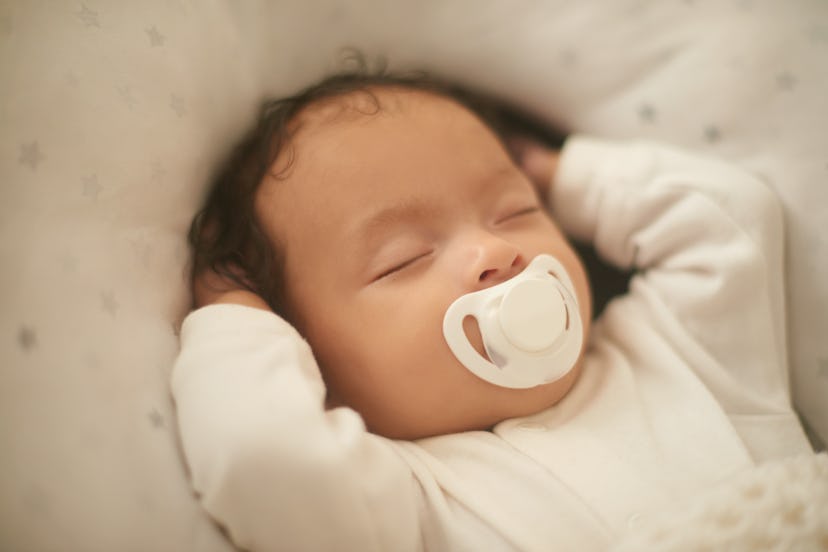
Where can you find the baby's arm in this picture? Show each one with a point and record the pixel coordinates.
(706, 240)
(270, 464)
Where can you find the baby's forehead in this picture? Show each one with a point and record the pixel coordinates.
(376, 143)
(327, 119)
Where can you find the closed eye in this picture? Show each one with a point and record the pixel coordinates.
(401, 266)
(520, 213)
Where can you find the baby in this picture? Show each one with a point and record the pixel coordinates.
(321, 404)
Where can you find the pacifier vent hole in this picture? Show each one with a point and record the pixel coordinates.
(472, 330)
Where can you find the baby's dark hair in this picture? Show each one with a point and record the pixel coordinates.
(226, 235)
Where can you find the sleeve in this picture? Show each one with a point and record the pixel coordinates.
(268, 462)
(705, 241)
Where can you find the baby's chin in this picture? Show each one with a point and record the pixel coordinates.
(496, 405)
(528, 402)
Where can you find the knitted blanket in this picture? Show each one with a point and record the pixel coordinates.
(781, 505)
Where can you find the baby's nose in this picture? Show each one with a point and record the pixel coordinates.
(499, 272)
(496, 261)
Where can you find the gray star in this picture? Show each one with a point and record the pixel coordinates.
(30, 155)
(143, 250)
(339, 13)
(126, 94)
(736, 63)
(36, 500)
(712, 134)
(91, 188)
(6, 25)
(92, 361)
(156, 419)
(110, 303)
(822, 367)
(819, 33)
(158, 171)
(569, 58)
(27, 338)
(178, 105)
(88, 17)
(785, 81)
(69, 263)
(155, 37)
(647, 113)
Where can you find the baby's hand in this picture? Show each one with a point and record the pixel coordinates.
(210, 288)
(536, 160)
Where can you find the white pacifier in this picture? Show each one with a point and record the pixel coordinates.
(531, 327)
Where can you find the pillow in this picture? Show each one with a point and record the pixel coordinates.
(112, 117)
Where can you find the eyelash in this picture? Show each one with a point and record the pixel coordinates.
(527, 211)
(396, 268)
(400, 266)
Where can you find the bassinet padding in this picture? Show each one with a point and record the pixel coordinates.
(112, 116)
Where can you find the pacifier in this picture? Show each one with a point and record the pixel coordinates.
(530, 324)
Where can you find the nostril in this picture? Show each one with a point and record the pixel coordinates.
(486, 273)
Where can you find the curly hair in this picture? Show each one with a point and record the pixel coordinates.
(226, 236)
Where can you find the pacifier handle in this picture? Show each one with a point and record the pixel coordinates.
(460, 344)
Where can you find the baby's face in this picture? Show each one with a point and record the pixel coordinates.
(385, 218)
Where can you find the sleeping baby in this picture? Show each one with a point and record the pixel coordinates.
(393, 347)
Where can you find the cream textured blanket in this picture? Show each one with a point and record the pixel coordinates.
(781, 505)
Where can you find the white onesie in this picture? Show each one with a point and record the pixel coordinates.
(684, 383)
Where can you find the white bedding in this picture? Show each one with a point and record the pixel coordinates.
(112, 116)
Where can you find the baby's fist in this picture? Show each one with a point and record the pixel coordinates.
(537, 161)
(210, 288)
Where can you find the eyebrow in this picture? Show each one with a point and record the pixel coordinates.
(409, 210)
(405, 211)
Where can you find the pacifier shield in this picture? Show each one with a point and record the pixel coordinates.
(533, 315)
(530, 326)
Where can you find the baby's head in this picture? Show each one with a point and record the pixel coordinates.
(360, 210)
